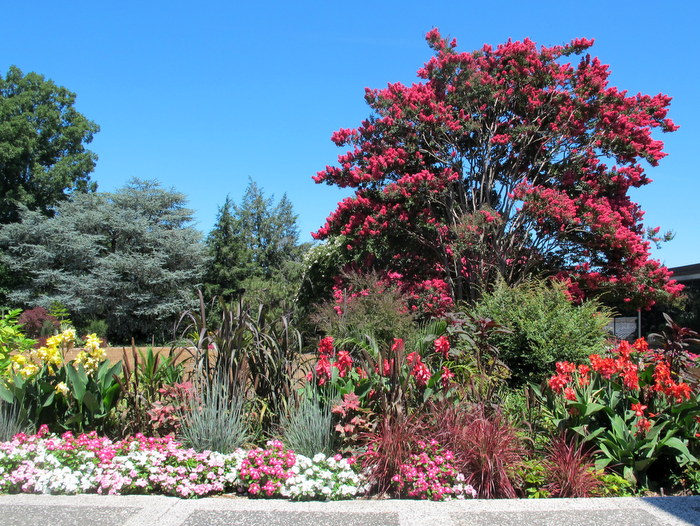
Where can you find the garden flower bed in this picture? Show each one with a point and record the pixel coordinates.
(52, 464)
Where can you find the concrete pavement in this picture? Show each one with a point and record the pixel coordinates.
(137, 510)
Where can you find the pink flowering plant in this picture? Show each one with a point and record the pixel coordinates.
(429, 474)
(264, 472)
(89, 463)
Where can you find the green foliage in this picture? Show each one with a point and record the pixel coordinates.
(94, 396)
(321, 264)
(213, 419)
(689, 479)
(12, 338)
(254, 251)
(613, 485)
(308, 429)
(223, 274)
(59, 311)
(367, 307)
(142, 378)
(43, 158)
(545, 327)
(99, 327)
(476, 359)
(532, 478)
(130, 258)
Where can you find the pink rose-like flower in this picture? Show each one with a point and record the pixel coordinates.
(442, 346)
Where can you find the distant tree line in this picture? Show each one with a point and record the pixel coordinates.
(130, 259)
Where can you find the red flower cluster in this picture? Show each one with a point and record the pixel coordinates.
(442, 346)
(528, 112)
(343, 363)
(621, 365)
(664, 383)
(419, 370)
(330, 358)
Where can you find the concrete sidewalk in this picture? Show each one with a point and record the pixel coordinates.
(96, 510)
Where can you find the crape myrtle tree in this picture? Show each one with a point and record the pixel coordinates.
(131, 258)
(43, 158)
(507, 162)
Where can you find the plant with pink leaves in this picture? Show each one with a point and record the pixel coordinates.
(431, 475)
(263, 472)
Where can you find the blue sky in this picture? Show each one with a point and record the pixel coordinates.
(204, 96)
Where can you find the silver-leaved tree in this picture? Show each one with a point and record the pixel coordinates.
(131, 258)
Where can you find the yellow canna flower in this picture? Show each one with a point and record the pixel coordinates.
(68, 337)
(19, 359)
(29, 370)
(54, 341)
(92, 343)
(62, 388)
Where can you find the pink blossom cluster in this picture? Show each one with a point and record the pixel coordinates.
(135, 465)
(519, 121)
(264, 471)
(430, 475)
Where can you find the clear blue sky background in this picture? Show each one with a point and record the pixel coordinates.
(202, 96)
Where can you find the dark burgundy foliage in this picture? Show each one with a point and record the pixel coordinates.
(569, 467)
(37, 322)
(486, 446)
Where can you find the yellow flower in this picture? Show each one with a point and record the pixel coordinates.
(19, 359)
(68, 337)
(29, 370)
(54, 341)
(51, 355)
(62, 388)
(89, 362)
(92, 343)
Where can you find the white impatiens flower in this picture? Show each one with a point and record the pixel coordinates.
(323, 477)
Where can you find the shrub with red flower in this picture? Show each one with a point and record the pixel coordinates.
(631, 404)
(384, 375)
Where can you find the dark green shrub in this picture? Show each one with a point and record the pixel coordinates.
(98, 327)
(545, 327)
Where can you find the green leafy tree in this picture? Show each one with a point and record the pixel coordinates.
(43, 158)
(254, 249)
(131, 258)
(225, 247)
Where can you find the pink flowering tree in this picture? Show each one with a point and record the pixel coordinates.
(510, 161)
